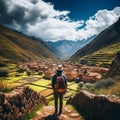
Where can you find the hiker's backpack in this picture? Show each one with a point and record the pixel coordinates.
(60, 85)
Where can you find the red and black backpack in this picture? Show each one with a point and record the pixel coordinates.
(60, 85)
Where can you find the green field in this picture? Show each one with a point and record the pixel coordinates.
(35, 82)
(102, 57)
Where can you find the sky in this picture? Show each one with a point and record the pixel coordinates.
(54, 20)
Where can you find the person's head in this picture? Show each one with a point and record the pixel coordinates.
(60, 68)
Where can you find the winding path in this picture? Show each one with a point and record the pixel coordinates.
(46, 113)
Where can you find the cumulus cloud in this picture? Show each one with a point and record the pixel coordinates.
(40, 19)
(97, 23)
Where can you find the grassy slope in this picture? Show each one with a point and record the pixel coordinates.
(114, 71)
(112, 90)
(11, 51)
(102, 57)
(19, 47)
(102, 50)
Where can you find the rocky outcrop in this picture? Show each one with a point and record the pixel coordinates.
(18, 103)
(101, 107)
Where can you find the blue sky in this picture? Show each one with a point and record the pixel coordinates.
(54, 20)
(83, 9)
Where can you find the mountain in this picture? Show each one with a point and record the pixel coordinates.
(102, 50)
(18, 47)
(67, 47)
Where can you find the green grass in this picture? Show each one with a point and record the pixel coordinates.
(14, 78)
(51, 103)
(40, 85)
(112, 90)
(16, 84)
(5, 86)
(42, 82)
(37, 88)
(102, 57)
(73, 87)
(69, 94)
(31, 115)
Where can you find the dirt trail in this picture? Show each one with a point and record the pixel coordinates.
(47, 113)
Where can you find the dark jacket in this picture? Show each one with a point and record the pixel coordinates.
(59, 73)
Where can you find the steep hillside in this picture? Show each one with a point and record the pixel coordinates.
(114, 71)
(16, 46)
(102, 50)
(102, 57)
(49, 47)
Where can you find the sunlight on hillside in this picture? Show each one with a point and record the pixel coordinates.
(102, 57)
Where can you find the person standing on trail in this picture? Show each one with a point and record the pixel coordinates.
(59, 85)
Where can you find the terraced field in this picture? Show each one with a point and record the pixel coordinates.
(37, 83)
(44, 87)
(102, 57)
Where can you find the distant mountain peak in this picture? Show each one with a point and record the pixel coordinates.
(69, 47)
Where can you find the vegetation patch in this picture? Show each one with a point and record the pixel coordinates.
(51, 103)
(102, 57)
(42, 82)
(73, 86)
(37, 88)
(104, 83)
(33, 114)
(111, 90)
(5, 86)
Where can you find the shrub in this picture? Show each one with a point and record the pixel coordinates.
(3, 73)
(2, 65)
(28, 73)
(87, 86)
(40, 72)
(21, 70)
(81, 84)
(104, 83)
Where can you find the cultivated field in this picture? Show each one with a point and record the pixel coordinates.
(36, 82)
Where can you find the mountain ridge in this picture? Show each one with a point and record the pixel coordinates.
(17, 46)
(97, 49)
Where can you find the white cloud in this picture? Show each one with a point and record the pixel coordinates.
(40, 19)
(56, 29)
(100, 21)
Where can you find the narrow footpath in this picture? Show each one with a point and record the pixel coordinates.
(47, 113)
